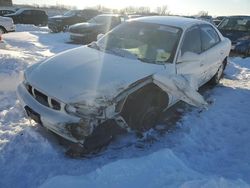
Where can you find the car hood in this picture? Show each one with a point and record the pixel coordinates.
(10, 15)
(87, 75)
(83, 26)
(59, 17)
(5, 18)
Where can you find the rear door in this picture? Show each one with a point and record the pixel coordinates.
(212, 50)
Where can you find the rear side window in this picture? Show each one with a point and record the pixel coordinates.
(209, 37)
(192, 41)
(27, 12)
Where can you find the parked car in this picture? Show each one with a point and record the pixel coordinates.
(29, 16)
(6, 25)
(125, 79)
(6, 11)
(237, 29)
(60, 22)
(88, 31)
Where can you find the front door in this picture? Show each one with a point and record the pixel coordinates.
(191, 59)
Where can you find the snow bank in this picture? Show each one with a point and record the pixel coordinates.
(160, 169)
(27, 27)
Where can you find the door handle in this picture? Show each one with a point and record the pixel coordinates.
(201, 65)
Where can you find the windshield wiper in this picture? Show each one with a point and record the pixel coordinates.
(94, 45)
(122, 53)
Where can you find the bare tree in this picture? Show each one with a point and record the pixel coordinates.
(162, 10)
(202, 13)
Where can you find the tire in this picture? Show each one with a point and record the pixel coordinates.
(2, 30)
(143, 112)
(216, 78)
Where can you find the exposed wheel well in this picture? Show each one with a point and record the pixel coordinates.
(138, 97)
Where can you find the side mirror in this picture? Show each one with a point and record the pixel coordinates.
(189, 57)
(99, 36)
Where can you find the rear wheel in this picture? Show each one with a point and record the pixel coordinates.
(216, 78)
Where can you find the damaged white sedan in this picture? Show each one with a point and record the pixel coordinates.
(125, 79)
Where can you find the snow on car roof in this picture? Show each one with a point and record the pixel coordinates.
(175, 21)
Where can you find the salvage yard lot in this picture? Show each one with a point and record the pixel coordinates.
(207, 148)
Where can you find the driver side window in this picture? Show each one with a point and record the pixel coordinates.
(192, 41)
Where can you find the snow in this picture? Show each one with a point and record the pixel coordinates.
(208, 148)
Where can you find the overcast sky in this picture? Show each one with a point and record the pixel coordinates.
(187, 7)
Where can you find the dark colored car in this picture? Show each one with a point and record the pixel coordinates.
(218, 19)
(29, 16)
(237, 29)
(61, 22)
(6, 11)
(88, 31)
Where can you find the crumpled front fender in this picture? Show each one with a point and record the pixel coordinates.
(181, 87)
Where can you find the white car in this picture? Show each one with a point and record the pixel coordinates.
(125, 79)
(6, 25)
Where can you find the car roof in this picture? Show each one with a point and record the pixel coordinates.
(239, 16)
(175, 21)
(110, 15)
(22, 9)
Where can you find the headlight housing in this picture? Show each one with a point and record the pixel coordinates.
(83, 110)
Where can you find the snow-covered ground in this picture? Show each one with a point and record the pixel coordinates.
(208, 148)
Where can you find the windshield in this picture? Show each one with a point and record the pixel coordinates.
(69, 13)
(240, 24)
(148, 42)
(19, 11)
(100, 19)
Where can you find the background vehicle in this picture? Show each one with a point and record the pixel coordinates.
(237, 29)
(6, 25)
(61, 22)
(126, 79)
(218, 19)
(29, 16)
(6, 11)
(87, 32)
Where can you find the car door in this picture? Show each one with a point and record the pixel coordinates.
(212, 50)
(26, 17)
(190, 62)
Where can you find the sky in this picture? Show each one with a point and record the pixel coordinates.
(182, 7)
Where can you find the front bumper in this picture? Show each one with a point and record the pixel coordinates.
(54, 120)
(77, 36)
